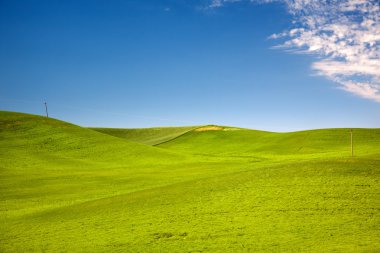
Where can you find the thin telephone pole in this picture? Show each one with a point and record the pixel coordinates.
(46, 109)
(352, 144)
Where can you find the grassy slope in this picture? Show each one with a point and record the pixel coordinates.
(247, 191)
(150, 136)
(40, 136)
(325, 142)
(70, 164)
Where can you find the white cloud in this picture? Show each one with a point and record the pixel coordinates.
(220, 3)
(343, 34)
(216, 3)
(365, 90)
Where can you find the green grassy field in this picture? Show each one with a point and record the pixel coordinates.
(150, 136)
(65, 188)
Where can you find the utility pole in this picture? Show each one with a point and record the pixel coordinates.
(46, 109)
(352, 144)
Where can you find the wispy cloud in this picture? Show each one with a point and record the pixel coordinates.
(343, 34)
(220, 3)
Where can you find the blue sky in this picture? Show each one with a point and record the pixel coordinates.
(136, 63)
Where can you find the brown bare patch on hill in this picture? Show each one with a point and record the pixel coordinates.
(209, 128)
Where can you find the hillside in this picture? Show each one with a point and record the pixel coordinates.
(228, 141)
(149, 136)
(238, 142)
(40, 136)
(64, 188)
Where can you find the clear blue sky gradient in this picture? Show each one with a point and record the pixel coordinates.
(133, 63)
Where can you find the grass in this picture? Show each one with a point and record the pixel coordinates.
(150, 136)
(70, 189)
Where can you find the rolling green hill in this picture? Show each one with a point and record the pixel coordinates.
(64, 188)
(40, 137)
(149, 136)
(243, 142)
